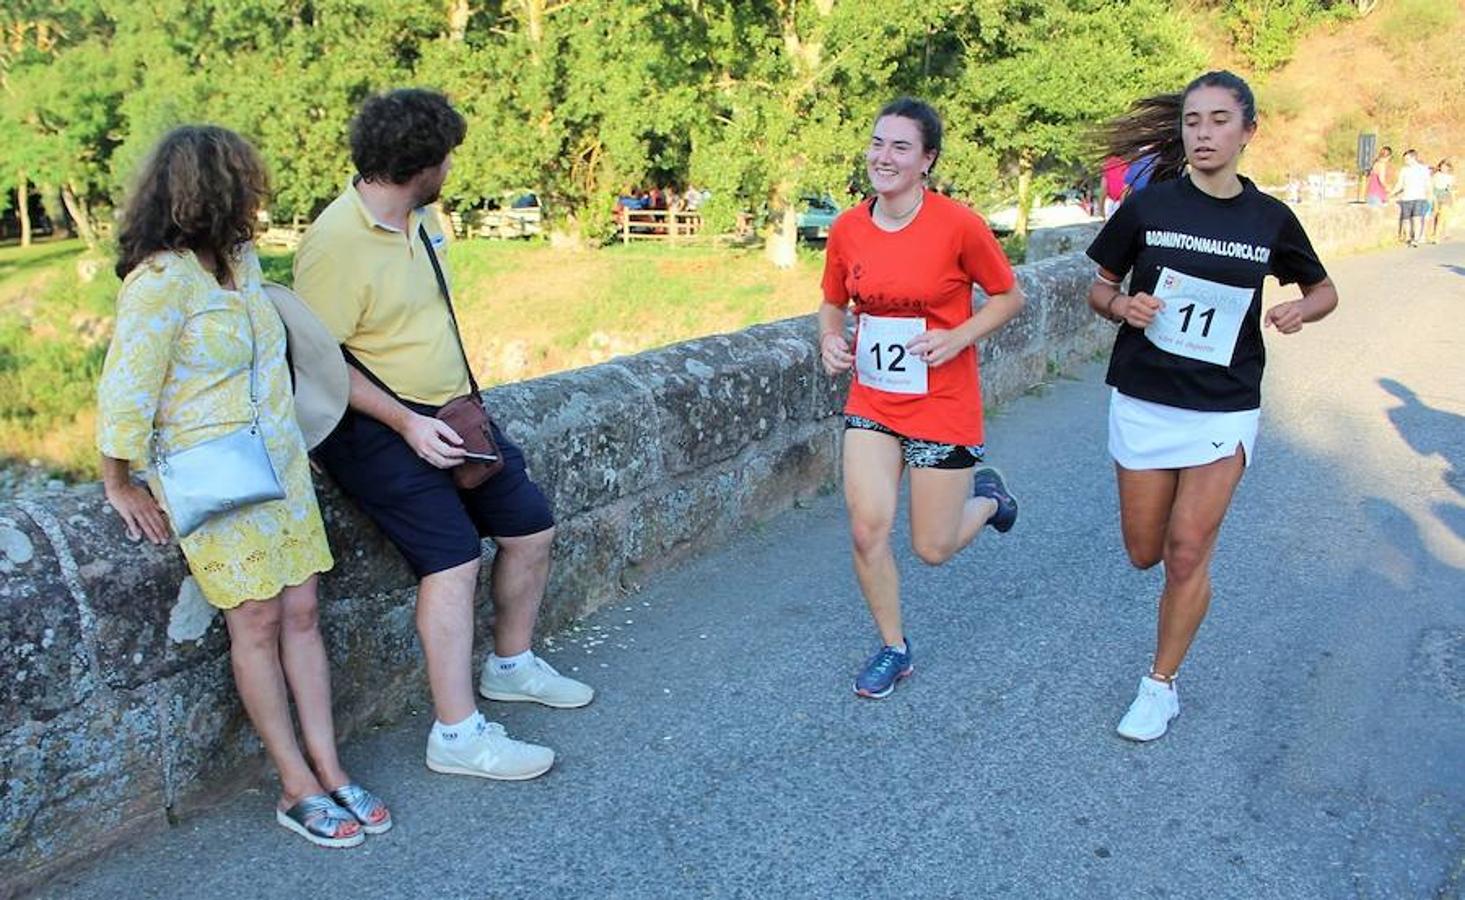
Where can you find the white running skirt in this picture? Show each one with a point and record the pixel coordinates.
(1145, 435)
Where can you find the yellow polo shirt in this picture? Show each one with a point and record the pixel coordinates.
(373, 287)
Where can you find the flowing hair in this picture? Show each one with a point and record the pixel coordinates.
(199, 189)
(1151, 125)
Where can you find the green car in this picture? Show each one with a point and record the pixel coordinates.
(816, 214)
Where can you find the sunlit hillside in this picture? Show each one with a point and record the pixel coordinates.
(1399, 73)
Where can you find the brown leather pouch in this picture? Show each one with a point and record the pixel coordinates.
(467, 416)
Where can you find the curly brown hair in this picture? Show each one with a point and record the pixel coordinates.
(402, 132)
(199, 189)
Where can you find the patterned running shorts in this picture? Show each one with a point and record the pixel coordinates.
(921, 454)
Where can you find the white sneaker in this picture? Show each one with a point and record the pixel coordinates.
(1150, 713)
(487, 752)
(535, 681)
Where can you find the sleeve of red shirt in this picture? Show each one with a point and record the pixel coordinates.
(833, 283)
(982, 258)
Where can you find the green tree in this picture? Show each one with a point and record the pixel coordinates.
(788, 103)
(56, 103)
(1266, 31)
(1038, 75)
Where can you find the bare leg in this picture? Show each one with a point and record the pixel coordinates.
(872, 467)
(254, 637)
(945, 517)
(520, 574)
(445, 626)
(308, 672)
(1201, 500)
(1145, 498)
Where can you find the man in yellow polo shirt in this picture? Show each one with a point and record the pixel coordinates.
(366, 267)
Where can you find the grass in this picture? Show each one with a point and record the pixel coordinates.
(54, 328)
(525, 309)
(1407, 24)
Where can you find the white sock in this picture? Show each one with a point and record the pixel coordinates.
(901, 646)
(506, 664)
(464, 728)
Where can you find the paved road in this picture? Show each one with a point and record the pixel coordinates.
(1321, 752)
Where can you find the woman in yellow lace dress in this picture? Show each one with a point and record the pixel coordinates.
(190, 316)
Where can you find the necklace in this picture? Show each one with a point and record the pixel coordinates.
(896, 218)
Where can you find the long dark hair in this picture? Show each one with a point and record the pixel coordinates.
(199, 189)
(1152, 125)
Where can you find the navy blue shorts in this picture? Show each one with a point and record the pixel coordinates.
(435, 525)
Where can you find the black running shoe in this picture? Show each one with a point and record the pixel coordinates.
(988, 483)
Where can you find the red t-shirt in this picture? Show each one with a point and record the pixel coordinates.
(925, 270)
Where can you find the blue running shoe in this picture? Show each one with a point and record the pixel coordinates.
(988, 483)
(883, 670)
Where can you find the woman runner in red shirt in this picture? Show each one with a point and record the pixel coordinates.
(908, 260)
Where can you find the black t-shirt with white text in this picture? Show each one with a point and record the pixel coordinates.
(1234, 241)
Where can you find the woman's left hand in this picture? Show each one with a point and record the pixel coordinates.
(937, 346)
(1286, 317)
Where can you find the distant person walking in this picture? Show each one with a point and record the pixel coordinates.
(1186, 368)
(908, 259)
(1413, 190)
(198, 354)
(1442, 182)
(1377, 191)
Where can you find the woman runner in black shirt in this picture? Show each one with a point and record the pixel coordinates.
(1187, 363)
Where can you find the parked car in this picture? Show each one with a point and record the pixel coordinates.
(816, 214)
(513, 214)
(1062, 208)
(41, 225)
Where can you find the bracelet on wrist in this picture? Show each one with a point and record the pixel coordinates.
(1111, 316)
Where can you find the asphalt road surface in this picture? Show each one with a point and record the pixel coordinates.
(1321, 751)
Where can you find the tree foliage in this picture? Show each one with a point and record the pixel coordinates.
(762, 101)
(1266, 31)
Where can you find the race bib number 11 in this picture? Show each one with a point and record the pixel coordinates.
(881, 360)
(1201, 319)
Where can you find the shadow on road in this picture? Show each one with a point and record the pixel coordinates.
(1429, 431)
(1458, 270)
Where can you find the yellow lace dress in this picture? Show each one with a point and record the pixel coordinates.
(179, 366)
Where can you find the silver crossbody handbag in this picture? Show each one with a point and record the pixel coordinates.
(223, 473)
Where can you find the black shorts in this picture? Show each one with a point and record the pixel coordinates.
(922, 454)
(435, 525)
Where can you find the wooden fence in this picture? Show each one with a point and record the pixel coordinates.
(658, 225)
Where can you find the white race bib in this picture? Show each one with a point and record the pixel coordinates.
(1201, 319)
(881, 359)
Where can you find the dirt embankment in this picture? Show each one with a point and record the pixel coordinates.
(1398, 73)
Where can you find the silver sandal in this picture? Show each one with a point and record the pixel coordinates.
(367, 807)
(320, 820)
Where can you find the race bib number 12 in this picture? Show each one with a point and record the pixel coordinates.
(1201, 319)
(881, 360)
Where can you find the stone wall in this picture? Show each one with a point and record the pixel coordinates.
(1060, 239)
(1333, 228)
(1348, 227)
(119, 710)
